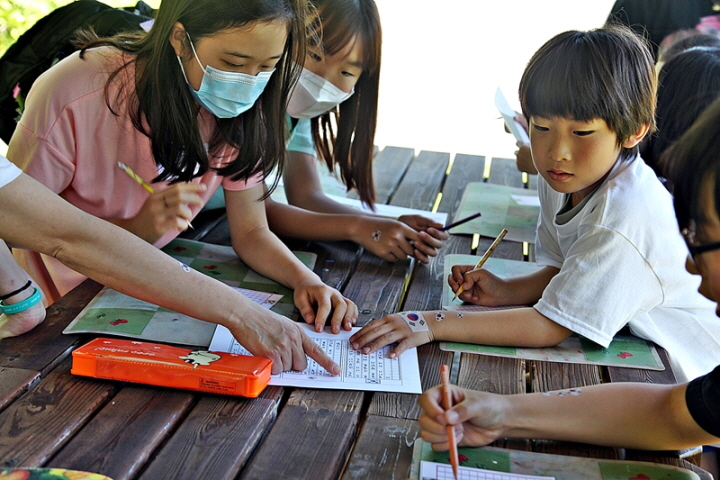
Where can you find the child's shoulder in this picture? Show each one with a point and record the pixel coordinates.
(77, 75)
(633, 196)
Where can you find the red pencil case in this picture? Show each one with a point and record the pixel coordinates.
(168, 366)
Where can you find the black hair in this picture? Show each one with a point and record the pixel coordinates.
(162, 107)
(688, 83)
(607, 73)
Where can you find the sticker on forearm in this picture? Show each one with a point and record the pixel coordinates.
(415, 320)
(184, 267)
(439, 316)
(561, 393)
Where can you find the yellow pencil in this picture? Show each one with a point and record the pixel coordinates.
(484, 257)
(140, 181)
(137, 178)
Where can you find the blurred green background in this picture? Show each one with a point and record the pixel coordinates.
(16, 16)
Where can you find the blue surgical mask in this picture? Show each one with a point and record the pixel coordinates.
(226, 94)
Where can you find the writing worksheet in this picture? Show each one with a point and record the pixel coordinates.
(441, 471)
(375, 372)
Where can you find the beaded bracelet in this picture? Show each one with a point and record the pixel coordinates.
(31, 301)
(24, 287)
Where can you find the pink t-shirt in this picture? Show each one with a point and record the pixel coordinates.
(69, 140)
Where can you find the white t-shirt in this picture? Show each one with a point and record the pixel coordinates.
(622, 261)
(8, 171)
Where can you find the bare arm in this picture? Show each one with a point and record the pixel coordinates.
(303, 187)
(263, 251)
(631, 415)
(520, 327)
(483, 288)
(36, 218)
(312, 215)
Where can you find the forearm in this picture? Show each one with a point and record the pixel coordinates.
(111, 255)
(294, 222)
(318, 201)
(265, 253)
(519, 327)
(652, 417)
(527, 289)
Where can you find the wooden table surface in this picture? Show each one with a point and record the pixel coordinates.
(49, 417)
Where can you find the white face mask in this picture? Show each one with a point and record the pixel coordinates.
(313, 96)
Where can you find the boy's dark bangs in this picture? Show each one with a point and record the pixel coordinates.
(568, 85)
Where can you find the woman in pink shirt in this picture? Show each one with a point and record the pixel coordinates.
(196, 102)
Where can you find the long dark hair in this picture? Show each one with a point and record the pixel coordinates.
(689, 83)
(606, 73)
(162, 107)
(351, 147)
(690, 162)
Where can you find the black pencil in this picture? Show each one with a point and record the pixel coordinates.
(460, 222)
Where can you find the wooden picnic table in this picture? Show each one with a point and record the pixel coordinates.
(49, 417)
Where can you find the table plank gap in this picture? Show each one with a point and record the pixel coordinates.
(215, 440)
(383, 449)
(304, 443)
(15, 382)
(389, 167)
(125, 433)
(42, 420)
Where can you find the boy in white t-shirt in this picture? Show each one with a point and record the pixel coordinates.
(607, 237)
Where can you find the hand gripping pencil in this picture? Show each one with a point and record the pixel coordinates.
(484, 257)
(140, 181)
(447, 405)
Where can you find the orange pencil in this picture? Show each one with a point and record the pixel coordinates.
(447, 405)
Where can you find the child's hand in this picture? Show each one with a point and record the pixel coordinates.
(430, 236)
(479, 418)
(166, 210)
(523, 158)
(316, 301)
(390, 329)
(479, 286)
(394, 240)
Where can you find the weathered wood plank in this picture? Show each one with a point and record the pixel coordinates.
(547, 376)
(405, 406)
(492, 374)
(311, 437)
(126, 432)
(215, 440)
(389, 167)
(40, 422)
(45, 346)
(377, 287)
(383, 449)
(465, 169)
(13, 382)
(422, 181)
(503, 171)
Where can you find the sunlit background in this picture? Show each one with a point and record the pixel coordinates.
(442, 62)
